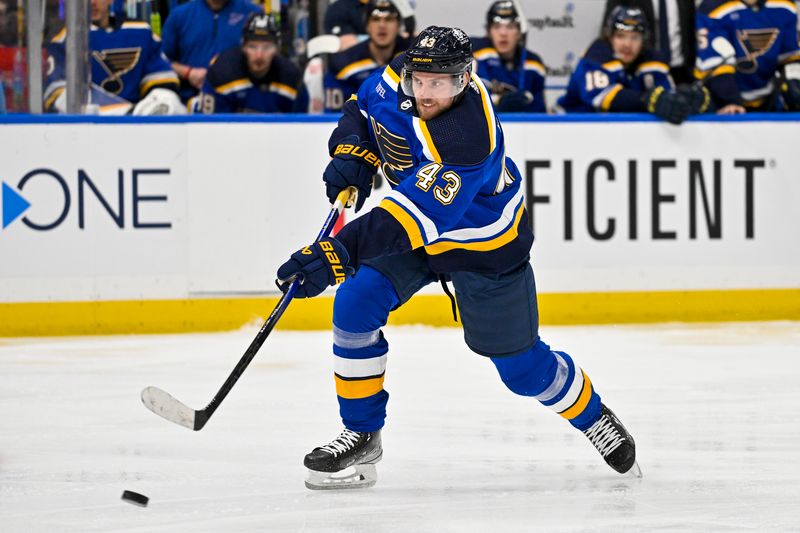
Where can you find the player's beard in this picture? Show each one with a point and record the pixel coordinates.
(430, 108)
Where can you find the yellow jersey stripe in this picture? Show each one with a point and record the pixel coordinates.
(613, 65)
(487, 112)
(484, 53)
(283, 88)
(358, 388)
(480, 246)
(653, 65)
(606, 104)
(53, 97)
(241, 83)
(355, 67)
(429, 141)
(60, 36)
(405, 220)
(782, 3)
(167, 80)
(392, 74)
(726, 8)
(582, 401)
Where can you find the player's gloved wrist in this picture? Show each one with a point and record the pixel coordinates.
(670, 106)
(354, 163)
(515, 101)
(790, 90)
(698, 98)
(318, 265)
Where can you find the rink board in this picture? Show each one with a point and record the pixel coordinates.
(114, 226)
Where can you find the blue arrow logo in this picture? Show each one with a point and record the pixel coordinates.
(13, 205)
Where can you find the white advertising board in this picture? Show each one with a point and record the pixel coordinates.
(162, 211)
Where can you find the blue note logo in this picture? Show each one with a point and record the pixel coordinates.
(14, 204)
(53, 199)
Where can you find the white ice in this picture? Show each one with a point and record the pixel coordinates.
(713, 409)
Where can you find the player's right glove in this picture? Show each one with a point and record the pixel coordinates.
(698, 98)
(670, 106)
(319, 265)
(515, 101)
(353, 164)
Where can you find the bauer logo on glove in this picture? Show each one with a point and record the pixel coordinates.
(318, 266)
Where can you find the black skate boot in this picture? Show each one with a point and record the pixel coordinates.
(326, 464)
(614, 442)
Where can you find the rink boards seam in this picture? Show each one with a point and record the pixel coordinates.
(220, 314)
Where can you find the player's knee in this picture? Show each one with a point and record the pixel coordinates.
(528, 373)
(363, 302)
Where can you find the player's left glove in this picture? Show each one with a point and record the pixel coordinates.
(790, 89)
(697, 96)
(670, 106)
(354, 163)
(319, 266)
(515, 101)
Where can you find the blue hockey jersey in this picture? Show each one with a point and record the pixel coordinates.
(454, 191)
(747, 44)
(601, 82)
(348, 69)
(126, 61)
(230, 88)
(527, 73)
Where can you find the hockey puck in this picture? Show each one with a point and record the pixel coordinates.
(135, 498)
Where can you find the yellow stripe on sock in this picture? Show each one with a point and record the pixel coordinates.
(358, 388)
(583, 400)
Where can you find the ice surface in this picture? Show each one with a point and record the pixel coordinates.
(712, 407)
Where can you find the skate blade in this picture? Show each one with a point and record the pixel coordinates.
(355, 477)
(635, 471)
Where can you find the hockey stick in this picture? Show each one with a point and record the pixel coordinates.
(166, 406)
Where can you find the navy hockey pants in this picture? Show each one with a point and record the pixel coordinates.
(500, 320)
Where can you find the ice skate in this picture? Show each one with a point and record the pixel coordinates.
(348, 462)
(614, 443)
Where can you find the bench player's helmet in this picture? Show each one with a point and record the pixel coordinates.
(439, 50)
(502, 11)
(626, 18)
(261, 27)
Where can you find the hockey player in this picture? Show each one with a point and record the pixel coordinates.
(126, 63)
(748, 54)
(514, 75)
(456, 211)
(253, 77)
(349, 68)
(619, 74)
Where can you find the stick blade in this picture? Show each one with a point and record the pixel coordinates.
(168, 407)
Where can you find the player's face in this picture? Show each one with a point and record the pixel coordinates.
(505, 36)
(627, 45)
(259, 56)
(100, 10)
(383, 29)
(433, 92)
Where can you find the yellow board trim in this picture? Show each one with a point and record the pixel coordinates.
(583, 400)
(359, 388)
(223, 314)
(405, 220)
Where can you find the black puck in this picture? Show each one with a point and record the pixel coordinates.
(135, 498)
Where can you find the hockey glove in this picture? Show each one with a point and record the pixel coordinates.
(698, 98)
(670, 106)
(515, 101)
(790, 90)
(318, 266)
(353, 164)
